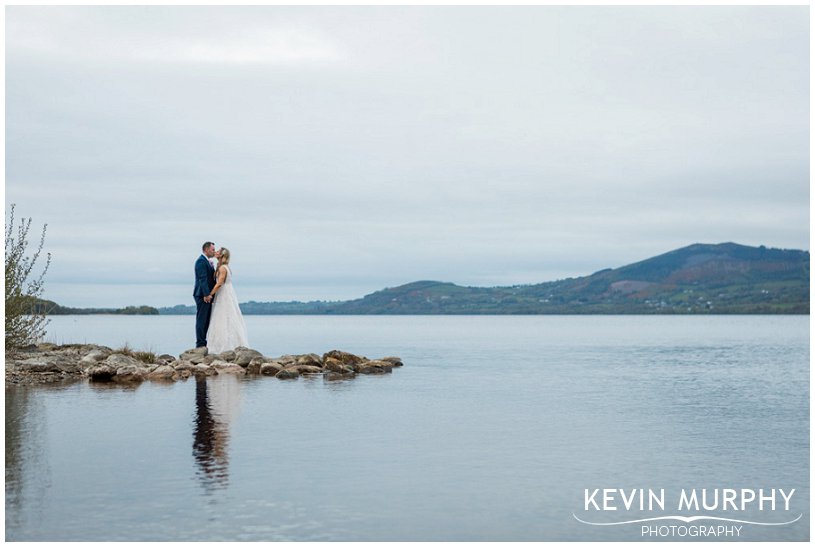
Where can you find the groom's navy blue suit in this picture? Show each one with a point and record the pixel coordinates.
(204, 281)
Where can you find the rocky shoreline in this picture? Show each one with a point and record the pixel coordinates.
(49, 363)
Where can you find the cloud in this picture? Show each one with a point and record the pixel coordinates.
(343, 148)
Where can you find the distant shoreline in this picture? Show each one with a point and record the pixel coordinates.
(701, 279)
(632, 314)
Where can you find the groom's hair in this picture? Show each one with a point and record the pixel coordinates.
(206, 245)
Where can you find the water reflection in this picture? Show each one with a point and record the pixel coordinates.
(28, 471)
(217, 402)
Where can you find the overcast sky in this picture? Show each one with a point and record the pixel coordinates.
(340, 150)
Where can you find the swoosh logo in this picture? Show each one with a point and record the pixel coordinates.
(687, 519)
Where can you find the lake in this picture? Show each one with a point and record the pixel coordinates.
(497, 428)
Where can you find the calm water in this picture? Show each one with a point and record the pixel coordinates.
(491, 431)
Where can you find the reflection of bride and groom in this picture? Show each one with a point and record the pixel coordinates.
(216, 405)
(219, 326)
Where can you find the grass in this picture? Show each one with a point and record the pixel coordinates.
(148, 357)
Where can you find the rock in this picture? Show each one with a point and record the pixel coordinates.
(270, 369)
(163, 372)
(165, 359)
(50, 363)
(345, 357)
(183, 365)
(228, 368)
(286, 360)
(197, 359)
(312, 359)
(227, 356)
(46, 346)
(305, 369)
(287, 374)
(101, 373)
(335, 365)
(375, 367)
(333, 376)
(130, 373)
(119, 360)
(204, 370)
(181, 374)
(371, 370)
(72, 367)
(245, 356)
(38, 365)
(195, 353)
(96, 355)
(387, 366)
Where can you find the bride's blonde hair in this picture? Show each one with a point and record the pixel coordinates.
(224, 257)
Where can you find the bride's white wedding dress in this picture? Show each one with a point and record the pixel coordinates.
(227, 330)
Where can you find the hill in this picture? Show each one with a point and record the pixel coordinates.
(701, 278)
(52, 308)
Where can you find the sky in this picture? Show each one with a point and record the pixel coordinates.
(340, 150)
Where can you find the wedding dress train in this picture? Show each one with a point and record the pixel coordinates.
(227, 329)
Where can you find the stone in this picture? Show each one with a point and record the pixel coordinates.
(45, 346)
(51, 363)
(270, 369)
(101, 372)
(305, 369)
(203, 370)
(345, 357)
(39, 365)
(375, 367)
(119, 360)
(370, 370)
(196, 359)
(335, 365)
(130, 373)
(245, 356)
(181, 374)
(227, 356)
(287, 374)
(228, 368)
(311, 359)
(183, 365)
(96, 355)
(333, 376)
(72, 367)
(194, 353)
(163, 372)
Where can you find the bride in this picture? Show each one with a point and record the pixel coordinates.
(227, 329)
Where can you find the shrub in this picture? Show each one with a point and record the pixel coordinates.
(25, 321)
(148, 357)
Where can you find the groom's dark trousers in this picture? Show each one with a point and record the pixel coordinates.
(204, 281)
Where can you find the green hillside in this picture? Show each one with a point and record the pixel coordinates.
(701, 278)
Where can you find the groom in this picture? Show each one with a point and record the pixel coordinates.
(204, 281)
